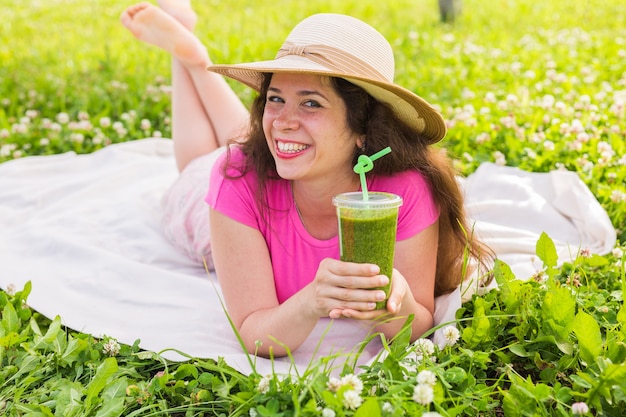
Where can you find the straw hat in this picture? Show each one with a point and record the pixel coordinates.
(342, 46)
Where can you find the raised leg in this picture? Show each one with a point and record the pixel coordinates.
(206, 112)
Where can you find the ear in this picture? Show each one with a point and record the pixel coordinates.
(360, 142)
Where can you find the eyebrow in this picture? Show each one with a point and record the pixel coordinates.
(301, 93)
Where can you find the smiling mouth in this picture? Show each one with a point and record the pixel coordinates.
(290, 147)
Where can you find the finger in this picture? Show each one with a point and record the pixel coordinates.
(355, 298)
(351, 268)
(361, 282)
(364, 315)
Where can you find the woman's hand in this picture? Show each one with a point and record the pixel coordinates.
(348, 289)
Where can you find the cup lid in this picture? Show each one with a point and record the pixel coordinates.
(377, 199)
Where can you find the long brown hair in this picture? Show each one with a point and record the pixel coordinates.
(381, 128)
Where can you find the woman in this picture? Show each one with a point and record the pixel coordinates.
(326, 98)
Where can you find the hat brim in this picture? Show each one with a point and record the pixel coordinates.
(408, 106)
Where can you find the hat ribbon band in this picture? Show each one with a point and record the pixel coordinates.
(332, 58)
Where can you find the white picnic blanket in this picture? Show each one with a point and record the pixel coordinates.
(85, 230)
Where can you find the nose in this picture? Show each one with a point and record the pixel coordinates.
(286, 119)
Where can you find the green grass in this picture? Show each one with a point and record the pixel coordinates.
(538, 85)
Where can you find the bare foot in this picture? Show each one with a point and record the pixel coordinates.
(180, 10)
(150, 24)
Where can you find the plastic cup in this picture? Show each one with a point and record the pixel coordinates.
(367, 230)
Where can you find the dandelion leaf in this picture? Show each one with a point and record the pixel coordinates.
(10, 320)
(589, 337)
(106, 369)
(558, 317)
(546, 250)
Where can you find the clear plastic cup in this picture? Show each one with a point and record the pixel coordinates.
(367, 230)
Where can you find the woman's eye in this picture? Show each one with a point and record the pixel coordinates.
(274, 99)
(312, 103)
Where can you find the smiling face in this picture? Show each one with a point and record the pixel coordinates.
(305, 125)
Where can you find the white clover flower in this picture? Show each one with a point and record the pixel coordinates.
(483, 137)
(508, 121)
(512, 99)
(105, 122)
(19, 128)
(83, 115)
(111, 347)
(352, 399)
(490, 97)
(548, 145)
(63, 118)
(423, 394)
(85, 125)
(618, 196)
(10, 289)
(328, 412)
(426, 377)
(253, 413)
(431, 414)
(333, 384)
(157, 134)
(575, 146)
(4, 133)
(44, 142)
(451, 334)
(617, 252)
(264, 384)
(499, 158)
(424, 345)
(77, 137)
(580, 408)
(387, 407)
(145, 124)
(353, 381)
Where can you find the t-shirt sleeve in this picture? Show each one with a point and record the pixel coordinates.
(419, 209)
(233, 197)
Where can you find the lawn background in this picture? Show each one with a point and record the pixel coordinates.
(68, 51)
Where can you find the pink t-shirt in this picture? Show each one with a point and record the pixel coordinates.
(294, 252)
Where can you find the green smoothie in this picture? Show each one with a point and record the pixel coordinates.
(367, 231)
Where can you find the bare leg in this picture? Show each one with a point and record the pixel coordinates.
(180, 10)
(206, 112)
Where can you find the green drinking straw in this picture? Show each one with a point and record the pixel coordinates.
(365, 164)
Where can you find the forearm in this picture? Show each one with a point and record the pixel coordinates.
(279, 329)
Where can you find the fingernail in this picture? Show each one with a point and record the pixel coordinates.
(380, 295)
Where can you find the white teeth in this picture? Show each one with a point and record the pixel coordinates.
(290, 147)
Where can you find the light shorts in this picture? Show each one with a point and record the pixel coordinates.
(185, 221)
